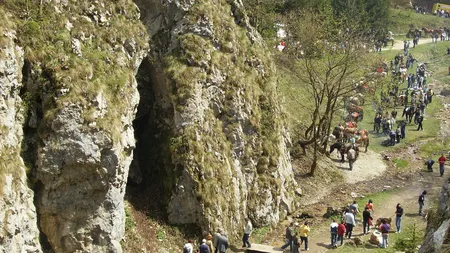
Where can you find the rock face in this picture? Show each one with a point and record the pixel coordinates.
(218, 141)
(438, 226)
(18, 221)
(79, 71)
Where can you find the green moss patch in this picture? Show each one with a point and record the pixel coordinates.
(46, 32)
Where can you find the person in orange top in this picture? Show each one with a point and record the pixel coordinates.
(441, 164)
(370, 206)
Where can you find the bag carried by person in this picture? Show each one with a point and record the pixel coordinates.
(334, 230)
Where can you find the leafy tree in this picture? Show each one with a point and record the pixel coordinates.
(378, 16)
(372, 14)
(263, 15)
(295, 5)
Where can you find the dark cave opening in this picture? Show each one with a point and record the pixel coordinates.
(148, 185)
(32, 103)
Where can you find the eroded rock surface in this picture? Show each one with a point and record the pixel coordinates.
(18, 222)
(438, 226)
(215, 116)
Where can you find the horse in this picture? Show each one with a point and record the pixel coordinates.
(343, 148)
(363, 141)
(409, 111)
(357, 99)
(354, 108)
(350, 132)
(338, 132)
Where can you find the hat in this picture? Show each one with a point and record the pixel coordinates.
(209, 237)
(204, 240)
(189, 241)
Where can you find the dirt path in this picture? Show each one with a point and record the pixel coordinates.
(398, 44)
(407, 196)
(368, 166)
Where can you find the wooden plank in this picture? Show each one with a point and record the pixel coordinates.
(259, 248)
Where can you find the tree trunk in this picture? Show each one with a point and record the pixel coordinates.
(314, 163)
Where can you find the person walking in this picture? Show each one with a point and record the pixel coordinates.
(349, 223)
(247, 232)
(188, 248)
(429, 163)
(392, 137)
(398, 217)
(304, 232)
(289, 235)
(351, 157)
(341, 232)
(204, 248)
(419, 122)
(367, 217)
(209, 242)
(216, 239)
(422, 202)
(222, 243)
(370, 206)
(441, 161)
(334, 233)
(295, 243)
(354, 208)
(385, 228)
(403, 129)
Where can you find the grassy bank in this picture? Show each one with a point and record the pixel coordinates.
(402, 20)
(434, 54)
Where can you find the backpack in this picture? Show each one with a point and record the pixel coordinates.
(187, 249)
(334, 230)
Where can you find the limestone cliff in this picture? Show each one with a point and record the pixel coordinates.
(18, 221)
(215, 140)
(80, 61)
(209, 128)
(438, 226)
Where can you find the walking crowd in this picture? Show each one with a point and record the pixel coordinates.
(414, 98)
(347, 226)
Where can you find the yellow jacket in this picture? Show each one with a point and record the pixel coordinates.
(304, 230)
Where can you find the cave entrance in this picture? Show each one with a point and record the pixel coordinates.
(150, 169)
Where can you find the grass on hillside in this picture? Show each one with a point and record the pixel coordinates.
(402, 20)
(438, 61)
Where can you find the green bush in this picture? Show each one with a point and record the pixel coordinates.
(409, 239)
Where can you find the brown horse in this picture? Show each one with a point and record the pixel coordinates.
(350, 132)
(354, 108)
(363, 140)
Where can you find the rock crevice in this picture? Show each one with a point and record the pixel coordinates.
(221, 123)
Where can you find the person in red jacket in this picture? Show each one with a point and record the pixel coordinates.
(341, 232)
(441, 164)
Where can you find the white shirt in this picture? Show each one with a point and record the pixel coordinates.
(350, 218)
(334, 225)
(248, 228)
(189, 247)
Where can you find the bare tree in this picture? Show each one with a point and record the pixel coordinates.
(328, 56)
